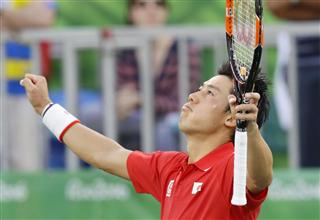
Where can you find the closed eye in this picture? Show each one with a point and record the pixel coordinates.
(210, 93)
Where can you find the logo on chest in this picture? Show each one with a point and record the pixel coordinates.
(169, 188)
(196, 187)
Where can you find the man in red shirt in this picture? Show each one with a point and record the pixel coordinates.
(192, 185)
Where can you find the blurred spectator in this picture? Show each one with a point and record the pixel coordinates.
(23, 152)
(164, 62)
(308, 67)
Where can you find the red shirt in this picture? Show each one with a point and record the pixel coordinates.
(202, 190)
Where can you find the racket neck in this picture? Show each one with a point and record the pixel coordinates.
(241, 125)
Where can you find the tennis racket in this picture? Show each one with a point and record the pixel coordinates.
(244, 42)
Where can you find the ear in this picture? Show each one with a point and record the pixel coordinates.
(230, 121)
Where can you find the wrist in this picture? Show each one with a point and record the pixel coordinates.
(40, 109)
(45, 109)
(252, 127)
(58, 120)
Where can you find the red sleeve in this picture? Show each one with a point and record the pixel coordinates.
(148, 171)
(255, 200)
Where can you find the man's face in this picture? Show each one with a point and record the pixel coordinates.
(205, 111)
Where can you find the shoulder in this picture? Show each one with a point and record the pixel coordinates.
(158, 161)
(160, 156)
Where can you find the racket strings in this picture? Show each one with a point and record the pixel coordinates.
(245, 22)
(244, 34)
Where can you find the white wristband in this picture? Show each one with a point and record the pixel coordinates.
(58, 120)
(45, 109)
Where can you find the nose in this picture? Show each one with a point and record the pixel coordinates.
(193, 98)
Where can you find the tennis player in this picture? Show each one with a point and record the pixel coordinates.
(192, 185)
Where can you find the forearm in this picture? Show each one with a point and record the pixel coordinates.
(89, 145)
(260, 162)
(97, 150)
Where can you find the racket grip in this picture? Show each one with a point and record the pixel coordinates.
(240, 169)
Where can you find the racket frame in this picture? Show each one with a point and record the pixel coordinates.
(242, 86)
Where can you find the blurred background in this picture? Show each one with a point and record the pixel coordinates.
(124, 68)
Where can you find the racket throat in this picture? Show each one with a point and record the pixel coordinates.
(241, 126)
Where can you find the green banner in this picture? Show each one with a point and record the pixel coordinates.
(82, 195)
(93, 194)
(293, 195)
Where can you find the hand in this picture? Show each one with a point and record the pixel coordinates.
(37, 91)
(127, 101)
(247, 112)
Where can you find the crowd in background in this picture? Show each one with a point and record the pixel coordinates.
(24, 147)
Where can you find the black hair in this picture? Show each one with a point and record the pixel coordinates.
(261, 87)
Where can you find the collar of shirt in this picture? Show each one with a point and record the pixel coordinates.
(205, 163)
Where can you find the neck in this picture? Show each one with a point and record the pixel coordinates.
(201, 145)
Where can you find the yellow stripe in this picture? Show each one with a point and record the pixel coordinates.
(20, 3)
(15, 69)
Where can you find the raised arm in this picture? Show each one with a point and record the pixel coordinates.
(259, 160)
(92, 147)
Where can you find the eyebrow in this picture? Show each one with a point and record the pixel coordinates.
(212, 86)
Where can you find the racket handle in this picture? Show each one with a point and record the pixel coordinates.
(240, 169)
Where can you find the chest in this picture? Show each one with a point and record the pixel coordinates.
(190, 190)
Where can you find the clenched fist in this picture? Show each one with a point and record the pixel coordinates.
(249, 111)
(37, 91)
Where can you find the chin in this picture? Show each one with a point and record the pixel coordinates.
(183, 127)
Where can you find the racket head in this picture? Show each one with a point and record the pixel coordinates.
(244, 35)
